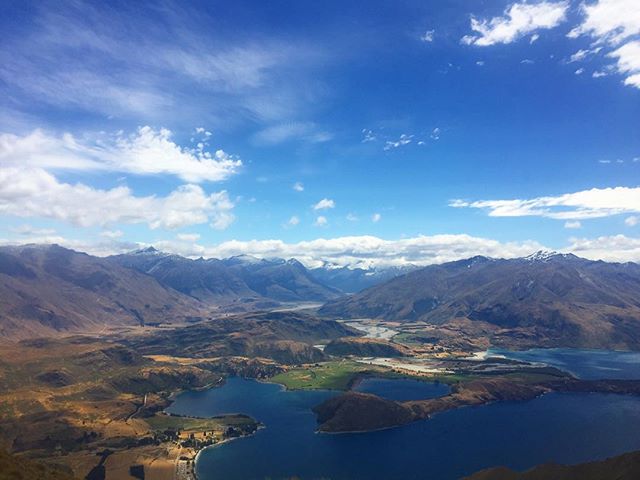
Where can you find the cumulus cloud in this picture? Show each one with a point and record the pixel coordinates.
(320, 221)
(594, 203)
(363, 251)
(113, 234)
(324, 204)
(614, 24)
(293, 221)
(573, 224)
(34, 193)
(518, 20)
(614, 248)
(146, 152)
(368, 251)
(298, 187)
(632, 221)
(428, 36)
(188, 237)
(376, 217)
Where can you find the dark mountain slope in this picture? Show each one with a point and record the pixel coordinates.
(282, 280)
(50, 289)
(622, 467)
(542, 300)
(207, 280)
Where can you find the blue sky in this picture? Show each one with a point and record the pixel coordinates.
(359, 133)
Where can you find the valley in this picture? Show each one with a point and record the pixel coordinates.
(109, 403)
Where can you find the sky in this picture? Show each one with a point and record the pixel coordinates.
(354, 133)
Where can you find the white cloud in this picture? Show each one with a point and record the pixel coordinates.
(284, 132)
(119, 63)
(594, 203)
(298, 187)
(610, 20)
(28, 230)
(527, 61)
(352, 217)
(615, 248)
(403, 140)
(375, 218)
(534, 38)
(146, 152)
(628, 62)
(366, 251)
(321, 221)
(113, 234)
(324, 204)
(519, 19)
(573, 224)
(599, 74)
(435, 133)
(293, 221)
(428, 36)
(368, 135)
(480, 63)
(632, 221)
(614, 24)
(102, 247)
(35, 193)
(579, 71)
(188, 237)
(581, 54)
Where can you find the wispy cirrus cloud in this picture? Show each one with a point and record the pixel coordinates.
(594, 203)
(284, 132)
(147, 151)
(126, 62)
(517, 21)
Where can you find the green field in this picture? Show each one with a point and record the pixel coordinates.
(327, 376)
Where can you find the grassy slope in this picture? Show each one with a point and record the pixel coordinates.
(16, 468)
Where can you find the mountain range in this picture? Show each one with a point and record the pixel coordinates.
(48, 289)
(543, 300)
(243, 278)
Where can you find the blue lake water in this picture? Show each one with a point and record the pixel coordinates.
(402, 390)
(566, 428)
(585, 364)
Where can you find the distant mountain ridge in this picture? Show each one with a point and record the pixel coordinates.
(352, 280)
(545, 299)
(241, 278)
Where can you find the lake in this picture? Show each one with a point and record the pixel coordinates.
(585, 364)
(566, 428)
(401, 390)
